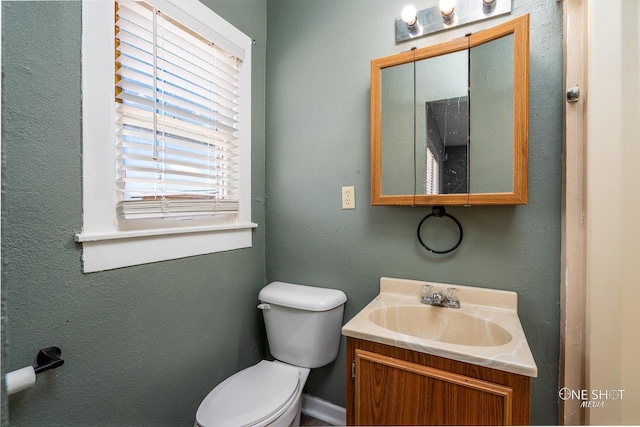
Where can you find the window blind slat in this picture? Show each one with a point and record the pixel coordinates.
(148, 208)
(208, 79)
(201, 189)
(136, 160)
(176, 106)
(196, 88)
(223, 107)
(135, 13)
(200, 86)
(179, 176)
(137, 54)
(193, 166)
(173, 111)
(139, 92)
(183, 47)
(139, 138)
(201, 56)
(144, 119)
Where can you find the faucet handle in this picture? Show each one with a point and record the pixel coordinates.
(452, 299)
(426, 290)
(426, 294)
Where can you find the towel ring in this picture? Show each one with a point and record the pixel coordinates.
(438, 211)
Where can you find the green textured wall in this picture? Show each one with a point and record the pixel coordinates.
(319, 54)
(142, 345)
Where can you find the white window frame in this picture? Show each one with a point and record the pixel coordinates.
(106, 244)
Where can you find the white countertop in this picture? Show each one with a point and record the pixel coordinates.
(494, 309)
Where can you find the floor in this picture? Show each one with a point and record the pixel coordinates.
(306, 420)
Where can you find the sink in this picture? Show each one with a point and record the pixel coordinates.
(440, 324)
(484, 331)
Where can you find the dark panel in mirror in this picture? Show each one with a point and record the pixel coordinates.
(447, 145)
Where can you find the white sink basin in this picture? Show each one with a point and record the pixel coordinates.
(484, 331)
(440, 324)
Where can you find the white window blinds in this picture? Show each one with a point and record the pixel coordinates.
(176, 110)
(432, 184)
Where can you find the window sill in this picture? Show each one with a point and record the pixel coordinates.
(109, 250)
(99, 236)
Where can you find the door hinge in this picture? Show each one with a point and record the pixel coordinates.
(353, 368)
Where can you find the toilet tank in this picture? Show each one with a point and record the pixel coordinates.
(303, 322)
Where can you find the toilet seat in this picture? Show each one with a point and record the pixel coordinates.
(254, 395)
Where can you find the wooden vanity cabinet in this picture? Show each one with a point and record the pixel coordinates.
(387, 385)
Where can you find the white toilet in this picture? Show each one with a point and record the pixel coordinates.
(303, 329)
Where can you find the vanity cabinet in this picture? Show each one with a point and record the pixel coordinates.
(388, 385)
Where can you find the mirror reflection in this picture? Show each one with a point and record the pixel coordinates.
(440, 115)
(441, 124)
(446, 166)
(397, 129)
(491, 80)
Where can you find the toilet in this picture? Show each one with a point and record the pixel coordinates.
(303, 330)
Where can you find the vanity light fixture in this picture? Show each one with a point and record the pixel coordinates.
(447, 14)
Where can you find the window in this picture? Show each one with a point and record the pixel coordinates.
(166, 144)
(432, 184)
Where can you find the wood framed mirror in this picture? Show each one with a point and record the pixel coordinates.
(449, 122)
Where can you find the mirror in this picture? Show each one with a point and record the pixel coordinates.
(449, 122)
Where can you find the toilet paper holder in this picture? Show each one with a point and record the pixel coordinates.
(48, 358)
(22, 379)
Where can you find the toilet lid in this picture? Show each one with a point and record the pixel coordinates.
(250, 396)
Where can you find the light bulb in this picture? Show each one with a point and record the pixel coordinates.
(408, 14)
(447, 6)
(488, 6)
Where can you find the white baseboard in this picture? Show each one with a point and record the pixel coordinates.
(323, 410)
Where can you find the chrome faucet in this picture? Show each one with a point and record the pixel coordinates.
(438, 299)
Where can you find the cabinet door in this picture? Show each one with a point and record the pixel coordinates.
(391, 391)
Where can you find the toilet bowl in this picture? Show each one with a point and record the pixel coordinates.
(265, 394)
(303, 330)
